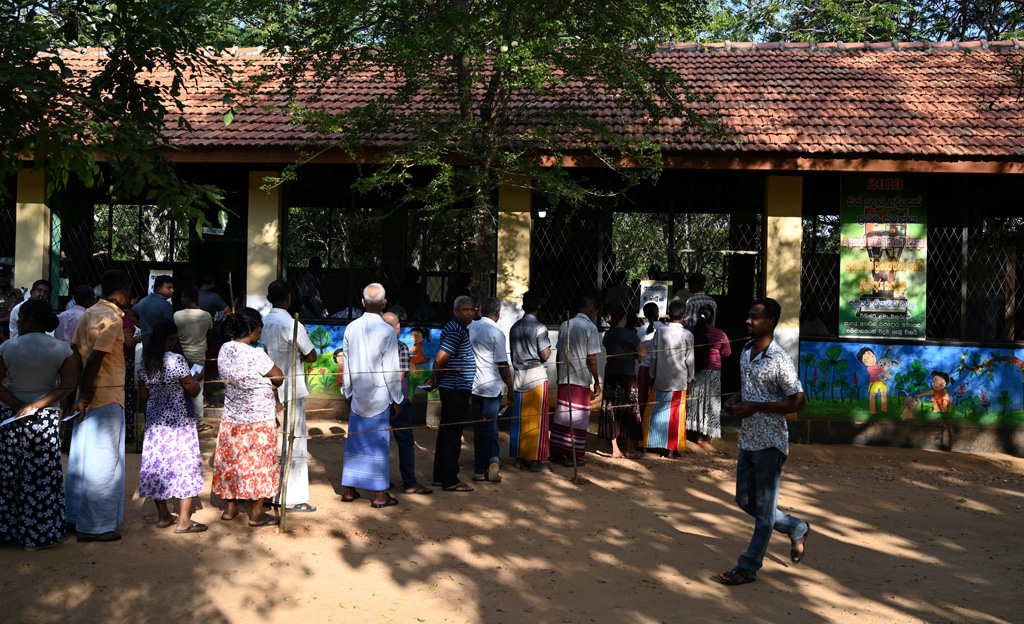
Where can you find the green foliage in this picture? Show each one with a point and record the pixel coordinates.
(479, 94)
(62, 119)
(864, 20)
(320, 338)
(916, 376)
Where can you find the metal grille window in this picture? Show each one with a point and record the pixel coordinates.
(8, 220)
(133, 238)
(687, 223)
(421, 257)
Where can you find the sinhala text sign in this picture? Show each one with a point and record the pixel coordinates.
(882, 259)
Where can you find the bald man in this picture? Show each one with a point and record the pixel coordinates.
(401, 418)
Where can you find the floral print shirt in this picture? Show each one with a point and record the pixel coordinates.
(248, 395)
(769, 377)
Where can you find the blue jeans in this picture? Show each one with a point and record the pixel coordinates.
(406, 444)
(487, 451)
(758, 475)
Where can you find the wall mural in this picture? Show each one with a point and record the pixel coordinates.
(913, 383)
(322, 377)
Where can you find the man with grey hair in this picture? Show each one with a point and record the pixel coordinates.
(491, 372)
(454, 371)
(372, 381)
(577, 347)
(401, 418)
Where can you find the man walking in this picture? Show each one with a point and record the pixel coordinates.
(401, 419)
(454, 371)
(492, 376)
(194, 329)
(278, 328)
(373, 383)
(577, 348)
(94, 489)
(770, 389)
(531, 348)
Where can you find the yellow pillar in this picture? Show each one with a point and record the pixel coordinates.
(263, 246)
(514, 203)
(32, 243)
(783, 237)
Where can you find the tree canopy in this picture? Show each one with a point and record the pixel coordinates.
(66, 120)
(864, 20)
(482, 90)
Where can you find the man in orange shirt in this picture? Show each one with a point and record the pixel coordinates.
(94, 490)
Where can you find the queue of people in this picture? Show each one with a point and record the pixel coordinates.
(679, 364)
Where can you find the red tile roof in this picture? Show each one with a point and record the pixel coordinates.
(936, 101)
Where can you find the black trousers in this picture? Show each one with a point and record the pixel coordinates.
(454, 409)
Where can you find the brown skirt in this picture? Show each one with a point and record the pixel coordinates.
(620, 410)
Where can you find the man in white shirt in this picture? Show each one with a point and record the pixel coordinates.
(372, 380)
(492, 374)
(577, 348)
(40, 290)
(278, 328)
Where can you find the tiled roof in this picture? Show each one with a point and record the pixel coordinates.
(944, 101)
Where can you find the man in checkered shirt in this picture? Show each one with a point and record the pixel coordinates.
(770, 389)
(697, 300)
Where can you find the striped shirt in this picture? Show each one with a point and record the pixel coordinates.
(460, 369)
(720, 348)
(694, 304)
(403, 365)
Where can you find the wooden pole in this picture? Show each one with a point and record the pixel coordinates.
(289, 425)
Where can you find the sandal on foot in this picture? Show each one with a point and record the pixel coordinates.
(390, 502)
(271, 521)
(204, 428)
(195, 528)
(102, 537)
(226, 518)
(459, 487)
(418, 489)
(301, 508)
(736, 576)
(522, 464)
(797, 556)
(167, 525)
(494, 472)
(350, 499)
(479, 477)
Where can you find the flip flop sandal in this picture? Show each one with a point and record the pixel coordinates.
(459, 487)
(418, 489)
(271, 521)
(301, 508)
(102, 537)
(350, 499)
(195, 528)
(480, 477)
(390, 502)
(794, 556)
(225, 517)
(736, 576)
(160, 525)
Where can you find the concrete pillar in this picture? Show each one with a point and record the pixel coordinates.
(513, 270)
(263, 241)
(783, 237)
(32, 243)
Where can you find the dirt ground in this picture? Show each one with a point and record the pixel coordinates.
(898, 536)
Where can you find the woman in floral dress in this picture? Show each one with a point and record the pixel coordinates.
(171, 464)
(245, 465)
(40, 372)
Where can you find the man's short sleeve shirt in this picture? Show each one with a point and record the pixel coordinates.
(769, 377)
(461, 366)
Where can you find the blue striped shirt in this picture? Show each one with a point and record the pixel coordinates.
(461, 367)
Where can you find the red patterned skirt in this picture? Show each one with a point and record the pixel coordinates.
(245, 464)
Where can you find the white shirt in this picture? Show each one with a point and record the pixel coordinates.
(648, 340)
(577, 338)
(489, 348)
(13, 327)
(277, 336)
(372, 377)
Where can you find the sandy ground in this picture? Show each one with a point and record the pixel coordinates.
(898, 536)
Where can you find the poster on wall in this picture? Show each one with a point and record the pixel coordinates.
(656, 291)
(882, 258)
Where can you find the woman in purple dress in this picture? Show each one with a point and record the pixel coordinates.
(171, 465)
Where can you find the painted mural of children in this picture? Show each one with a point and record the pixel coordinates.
(339, 359)
(416, 353)
(940, 396)
(868, 358)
